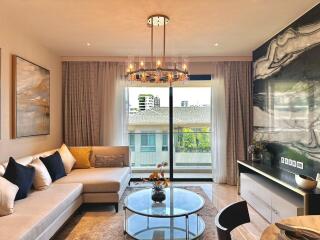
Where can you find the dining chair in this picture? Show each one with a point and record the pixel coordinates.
(231, 217)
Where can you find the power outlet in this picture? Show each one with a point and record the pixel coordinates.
(286, 161)
(294, 163)
(299, 165)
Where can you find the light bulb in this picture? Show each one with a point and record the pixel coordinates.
(184, 67)
(141, 64)
(158, 63)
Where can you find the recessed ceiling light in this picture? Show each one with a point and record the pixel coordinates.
(216, 44)
(88, 44)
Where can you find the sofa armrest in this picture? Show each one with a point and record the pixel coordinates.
(111, 150)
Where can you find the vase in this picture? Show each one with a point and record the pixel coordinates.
(158, 195)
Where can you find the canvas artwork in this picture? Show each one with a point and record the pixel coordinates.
(287, 95)
(31, 99)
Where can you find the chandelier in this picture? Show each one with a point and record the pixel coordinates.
(157, 69)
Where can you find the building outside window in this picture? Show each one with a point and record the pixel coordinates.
(148, 142)
(132, 141)
(164, 141)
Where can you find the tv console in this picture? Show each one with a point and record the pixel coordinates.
(274, 193)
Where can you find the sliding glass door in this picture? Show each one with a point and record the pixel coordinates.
(148, 129)
(186, 145)
(192, 132)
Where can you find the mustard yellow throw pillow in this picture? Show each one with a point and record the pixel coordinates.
(82, 155)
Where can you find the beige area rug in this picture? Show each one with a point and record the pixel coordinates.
(101, 222)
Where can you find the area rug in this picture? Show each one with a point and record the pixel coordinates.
(101, 222)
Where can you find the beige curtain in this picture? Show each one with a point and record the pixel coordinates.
(94, 103)
(238, 101)
(113, 107)
(219, 126)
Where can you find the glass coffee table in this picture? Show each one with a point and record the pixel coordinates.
(175, 218)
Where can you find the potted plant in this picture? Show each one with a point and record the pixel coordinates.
(159, 182)
(256, 149)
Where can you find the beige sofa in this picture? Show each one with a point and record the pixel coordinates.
(42, 213)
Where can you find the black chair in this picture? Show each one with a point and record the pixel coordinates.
(231, 217)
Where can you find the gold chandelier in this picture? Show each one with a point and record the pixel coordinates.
(157, 70)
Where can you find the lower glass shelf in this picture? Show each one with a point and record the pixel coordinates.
(149, 228)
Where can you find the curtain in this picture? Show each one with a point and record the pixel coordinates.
(219, 134)
(94, 103)
(237, 80)
(114, 107)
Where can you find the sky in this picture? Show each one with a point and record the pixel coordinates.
(194, 95)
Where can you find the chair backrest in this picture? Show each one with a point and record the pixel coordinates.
(231, 217)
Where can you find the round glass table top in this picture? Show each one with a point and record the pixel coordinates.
(179, 202)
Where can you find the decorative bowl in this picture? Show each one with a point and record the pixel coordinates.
(305, 182)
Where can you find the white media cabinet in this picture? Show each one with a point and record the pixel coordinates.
(273, 192)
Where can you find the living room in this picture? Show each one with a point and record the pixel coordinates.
(159, 119)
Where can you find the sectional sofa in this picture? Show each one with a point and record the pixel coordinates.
(42, 213)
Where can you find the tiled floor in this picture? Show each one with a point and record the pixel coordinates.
(221, 195)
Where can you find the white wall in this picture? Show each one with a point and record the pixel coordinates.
(13, 41)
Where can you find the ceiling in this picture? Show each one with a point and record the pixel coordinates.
(118, 27)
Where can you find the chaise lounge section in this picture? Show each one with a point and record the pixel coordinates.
(42, 213)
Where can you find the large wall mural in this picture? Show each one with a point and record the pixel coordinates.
(286, 95)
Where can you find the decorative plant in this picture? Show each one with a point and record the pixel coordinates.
(257, 146)
(157, 177)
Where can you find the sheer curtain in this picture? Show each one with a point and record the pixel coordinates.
(219, 131)
(114, 106)
(232, 127)
(94, 98)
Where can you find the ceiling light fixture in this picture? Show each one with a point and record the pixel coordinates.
(158, 69)
(216, 44)
(88, 44)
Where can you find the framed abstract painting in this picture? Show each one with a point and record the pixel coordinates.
(31, 98)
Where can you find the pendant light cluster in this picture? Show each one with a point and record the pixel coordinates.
(157, 70)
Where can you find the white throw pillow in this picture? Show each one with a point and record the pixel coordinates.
(41, 179)
(8, 192)
(67, 158)
(2, 169)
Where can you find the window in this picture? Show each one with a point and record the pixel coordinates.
(165, 142)
(132, 141)
(148, 142)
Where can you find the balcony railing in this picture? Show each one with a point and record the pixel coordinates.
(192, 150)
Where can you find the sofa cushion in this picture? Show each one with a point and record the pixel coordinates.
(67, 158)
(21, 176)
(98, 180)
(109, 161)
(54, 165)
(82, 156)
(2, 169)
(111, 150)
(8, 192)
(35, 213)
(42, 179)
(43, 154)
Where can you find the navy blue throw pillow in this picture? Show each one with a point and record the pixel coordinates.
(54, 165)
(21, 176)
